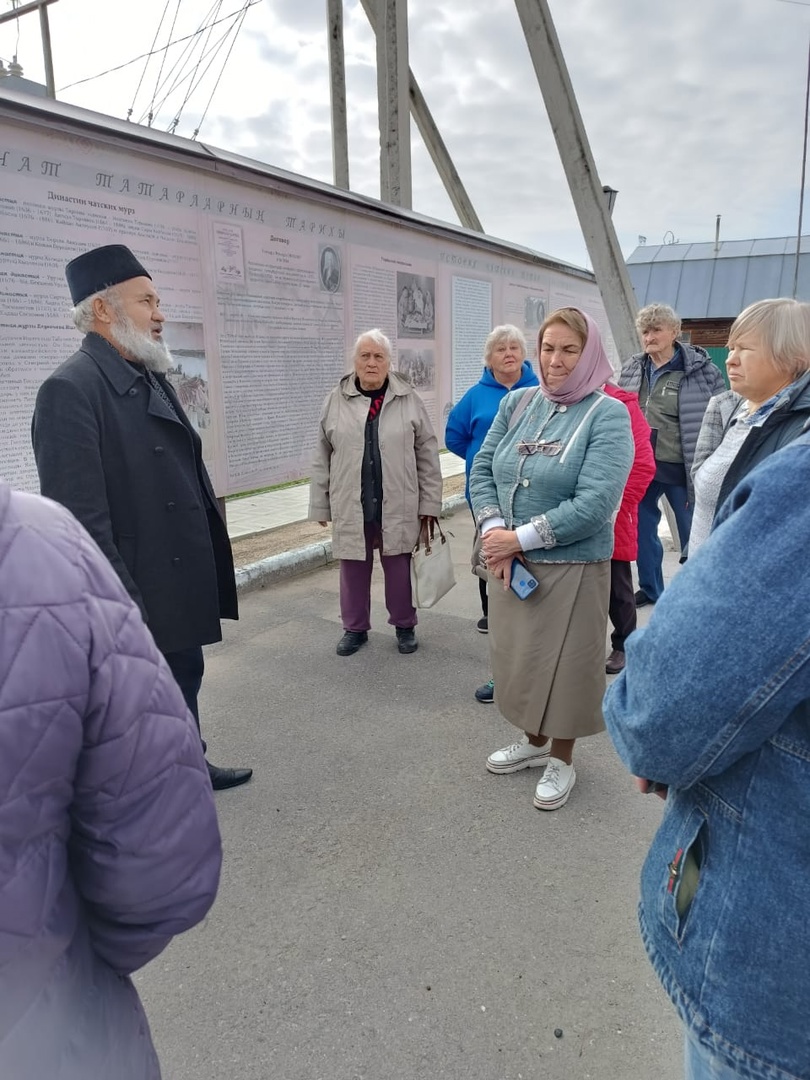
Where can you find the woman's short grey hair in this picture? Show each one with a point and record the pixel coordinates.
(782, 327)
(657, 315)
(378, 337)
(500, 334)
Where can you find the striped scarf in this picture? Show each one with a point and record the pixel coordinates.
(374, 405)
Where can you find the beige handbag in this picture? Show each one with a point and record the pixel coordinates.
(432, 575)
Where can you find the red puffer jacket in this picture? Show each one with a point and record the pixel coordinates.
(625, 531)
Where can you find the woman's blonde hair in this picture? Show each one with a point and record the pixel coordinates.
(499, 334)
(783, 329)
(571, 318)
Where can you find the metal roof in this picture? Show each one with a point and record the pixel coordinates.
(708, 281)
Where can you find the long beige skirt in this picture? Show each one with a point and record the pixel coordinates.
(548, 651)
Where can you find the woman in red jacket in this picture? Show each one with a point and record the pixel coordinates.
(622, 609)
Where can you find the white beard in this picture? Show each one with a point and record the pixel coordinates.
(140, 346)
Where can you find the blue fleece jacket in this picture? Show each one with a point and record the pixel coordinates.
(470, 420)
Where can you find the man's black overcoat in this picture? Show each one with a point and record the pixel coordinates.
(109, 449)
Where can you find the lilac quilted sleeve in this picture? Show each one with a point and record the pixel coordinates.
(145, 848)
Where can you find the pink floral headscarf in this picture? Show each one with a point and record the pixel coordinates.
(592, 371)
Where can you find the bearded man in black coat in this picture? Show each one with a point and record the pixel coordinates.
(113, 444)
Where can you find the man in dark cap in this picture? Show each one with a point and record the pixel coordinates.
(113, 445)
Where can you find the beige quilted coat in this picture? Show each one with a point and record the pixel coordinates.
(412, 477)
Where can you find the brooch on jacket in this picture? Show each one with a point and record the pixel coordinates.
(529, 447)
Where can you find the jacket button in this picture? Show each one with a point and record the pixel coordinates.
(133, 392)
(171, 506)
(158, 449)
(176, 560)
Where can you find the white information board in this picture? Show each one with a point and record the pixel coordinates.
(265, 286)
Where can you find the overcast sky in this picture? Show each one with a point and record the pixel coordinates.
(692, 109)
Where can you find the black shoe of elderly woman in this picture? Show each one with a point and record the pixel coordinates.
(351, 642)
(406, 639)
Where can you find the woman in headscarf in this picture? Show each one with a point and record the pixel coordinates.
(545, 488)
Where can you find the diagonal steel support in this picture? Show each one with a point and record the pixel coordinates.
(435, 144)
(580, 170)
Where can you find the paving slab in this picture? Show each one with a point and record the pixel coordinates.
(253, 514)
(389, 909)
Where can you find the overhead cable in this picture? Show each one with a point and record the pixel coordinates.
(190, 75)
(203, 53)
(152, 52)
(185, 57)
(162, 62)
(225, 64)
(145, 66)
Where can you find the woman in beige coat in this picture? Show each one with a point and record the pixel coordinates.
(376, 477)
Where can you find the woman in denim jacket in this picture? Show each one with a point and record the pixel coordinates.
(545, 487)
(715, 705)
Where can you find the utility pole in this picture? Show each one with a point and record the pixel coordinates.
(393, 101)
(337, 86)
(45, 31)
(801, 186)
(580, 170)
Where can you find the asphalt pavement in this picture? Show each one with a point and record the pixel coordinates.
(388, 909)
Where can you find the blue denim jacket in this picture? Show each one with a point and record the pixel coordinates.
(715, 702)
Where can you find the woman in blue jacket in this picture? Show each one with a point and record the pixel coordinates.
(505, 368)
(714, 704)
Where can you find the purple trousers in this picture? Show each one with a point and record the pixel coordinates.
(355, 586)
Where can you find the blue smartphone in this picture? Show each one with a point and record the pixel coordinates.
(521, 581)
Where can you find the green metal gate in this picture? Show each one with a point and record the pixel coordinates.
(718, 356)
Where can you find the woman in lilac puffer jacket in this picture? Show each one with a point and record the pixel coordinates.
(109, 844)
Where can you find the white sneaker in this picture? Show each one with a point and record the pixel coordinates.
(555, 787)
(520, 755)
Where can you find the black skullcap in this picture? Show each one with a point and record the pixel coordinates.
(99, 269)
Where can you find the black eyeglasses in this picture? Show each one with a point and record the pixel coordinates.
(527, 448)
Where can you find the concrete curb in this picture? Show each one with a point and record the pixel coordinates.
(289, 564)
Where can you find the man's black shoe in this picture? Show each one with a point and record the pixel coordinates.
(406, 639)
(615, 662)
(642, 599)
(225, 778)
(351, 642)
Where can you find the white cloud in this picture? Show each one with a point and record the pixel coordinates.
(691, 111)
